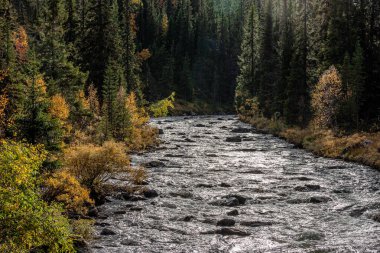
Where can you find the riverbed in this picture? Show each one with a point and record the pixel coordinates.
(222, 186)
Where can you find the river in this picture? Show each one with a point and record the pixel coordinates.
(224, 187)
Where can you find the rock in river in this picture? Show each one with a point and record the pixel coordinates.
(233, 213)
(241, 130)
(227, 231)
(150, 194)
(226, 223)
(154, 164)
(319, 199)
(234, 139)
(307, 188)
(107, 231)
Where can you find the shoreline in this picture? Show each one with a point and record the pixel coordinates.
(361, 147)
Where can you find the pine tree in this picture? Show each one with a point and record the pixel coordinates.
(268, 64)
(296, 109)
(34, 122)
(113, 80)
(61, 74)
(122, 119)
(247, 85)
(128, 36)
(286, 54)
(357, 83)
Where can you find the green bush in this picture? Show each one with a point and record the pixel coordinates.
(26, 221)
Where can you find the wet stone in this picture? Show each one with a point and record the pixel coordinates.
(225, 202)
(307, 188)
(241, 199)
(319, 199)
(182, 194)
(375, 216)
(204, 185)
(256, 223)
(93, 212)
(187, 218)
(154, 164)
(226, 223)
(233, 213)
(102, 224)
(310, 235)
(241, 130)
(234, 139)
(107, 232)
(169, 205)
(228, 231)
(129, 242)
(150, 193)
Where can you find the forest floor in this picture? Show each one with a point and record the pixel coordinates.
(361, 147)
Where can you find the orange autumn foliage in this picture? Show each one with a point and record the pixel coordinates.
(144, 55)
(326, 98)
(3, 105)
(64, 188)
(20, 40)
(59, 108)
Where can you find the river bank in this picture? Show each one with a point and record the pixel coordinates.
(360, 147)
(218, 185)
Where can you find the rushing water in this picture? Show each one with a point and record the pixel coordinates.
(281, 199)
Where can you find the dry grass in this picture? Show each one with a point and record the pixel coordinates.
(359, 147)
(138, 175)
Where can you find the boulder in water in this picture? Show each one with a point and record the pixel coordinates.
(154, 164)
(256, 223)
(241, 130)
(228, 231)
(107, 232)
(233, 213)
(307, 188)
(234, 139)
(319, 199)
(150, 194)
(129, 242)
(226, 223)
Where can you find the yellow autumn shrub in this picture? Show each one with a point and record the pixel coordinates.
(26, 221)
(93, 165)
(64, 188)
(142, 135)
(161, 107)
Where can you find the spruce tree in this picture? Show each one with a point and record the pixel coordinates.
(268, 64)
(33, 122)
(247, 85)
(113, 80)
(357, 83)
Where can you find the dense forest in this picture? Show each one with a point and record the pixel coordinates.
(79, 80)
(301, 58)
